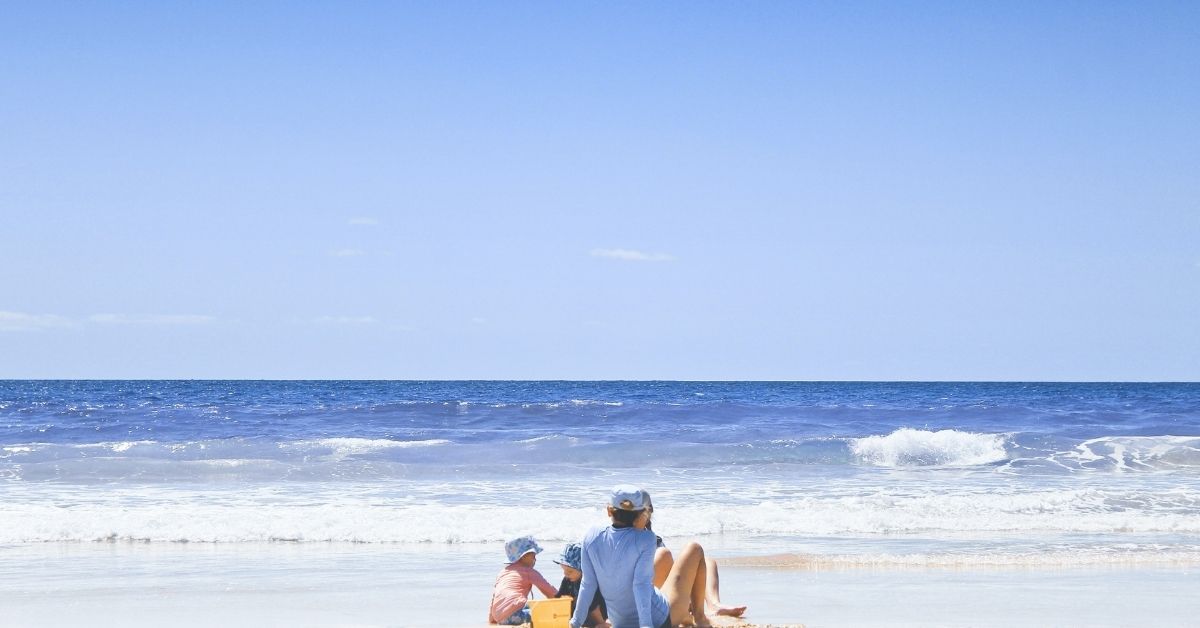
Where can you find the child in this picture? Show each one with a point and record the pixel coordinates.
(570, 561)
(515, 582)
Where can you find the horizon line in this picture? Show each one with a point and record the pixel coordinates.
(681, 381)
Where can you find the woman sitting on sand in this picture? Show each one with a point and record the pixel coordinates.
(663, 561)
(618, 559)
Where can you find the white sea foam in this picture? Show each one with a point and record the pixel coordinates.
(341, 448)
(127, 445)
(216, 459)
(907, 447)
(1093, 556)
(552, 405)
(550, 438)
(884, 512)
(354, 513)
(116, 447)
(215, 522)
(1135, 453)
(351, 446)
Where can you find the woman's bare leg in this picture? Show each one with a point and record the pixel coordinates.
(663, 560)
(713, 594)
(686, 587)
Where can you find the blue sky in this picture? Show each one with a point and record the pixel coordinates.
(690, 190)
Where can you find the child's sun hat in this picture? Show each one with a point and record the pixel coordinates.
(521, 546)
(572, 556)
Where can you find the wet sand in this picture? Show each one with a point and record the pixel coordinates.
(447, 586)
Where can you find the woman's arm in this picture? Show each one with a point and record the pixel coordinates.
(598, 620)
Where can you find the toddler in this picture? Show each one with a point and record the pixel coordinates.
(570, 561)
(515, 582)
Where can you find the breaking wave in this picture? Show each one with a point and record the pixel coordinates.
(907, 447)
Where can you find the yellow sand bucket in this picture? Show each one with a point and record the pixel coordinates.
(552, 613)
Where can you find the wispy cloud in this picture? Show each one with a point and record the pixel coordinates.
(630, 255)
(347, 252)
(362, 220)
(345, 320)
(151, 319)
(20, 321)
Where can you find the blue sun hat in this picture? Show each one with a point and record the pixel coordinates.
(572, 556)
(521, 546)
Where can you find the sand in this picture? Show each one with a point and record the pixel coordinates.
(743, 623)
(447, 586)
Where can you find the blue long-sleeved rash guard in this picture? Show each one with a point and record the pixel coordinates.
(620, 562)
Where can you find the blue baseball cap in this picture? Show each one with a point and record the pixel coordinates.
(628, 497)
(572, 556)
(521, 546)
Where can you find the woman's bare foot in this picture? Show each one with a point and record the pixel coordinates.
(728, 611)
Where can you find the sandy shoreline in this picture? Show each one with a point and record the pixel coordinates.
(446, 586)
(733, 622)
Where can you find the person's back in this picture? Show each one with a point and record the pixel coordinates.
(616, 558)
(618, 561)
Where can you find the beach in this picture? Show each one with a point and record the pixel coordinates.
(310, 308)
(354, 585)
(388, 503)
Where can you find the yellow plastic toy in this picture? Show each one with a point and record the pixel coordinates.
(552, 613)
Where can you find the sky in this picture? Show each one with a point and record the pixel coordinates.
(586, 190)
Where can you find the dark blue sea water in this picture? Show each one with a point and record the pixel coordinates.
(1095, 465)
(78, 412)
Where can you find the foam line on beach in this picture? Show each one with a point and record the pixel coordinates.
(364, 514)
(1094, 557)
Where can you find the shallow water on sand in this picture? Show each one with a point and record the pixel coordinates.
(125, 584)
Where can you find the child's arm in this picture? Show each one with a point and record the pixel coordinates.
(492, 606)
(546, 588)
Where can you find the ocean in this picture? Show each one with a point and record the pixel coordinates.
(791, 477)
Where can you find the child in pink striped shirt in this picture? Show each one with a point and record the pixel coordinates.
(516, 581)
